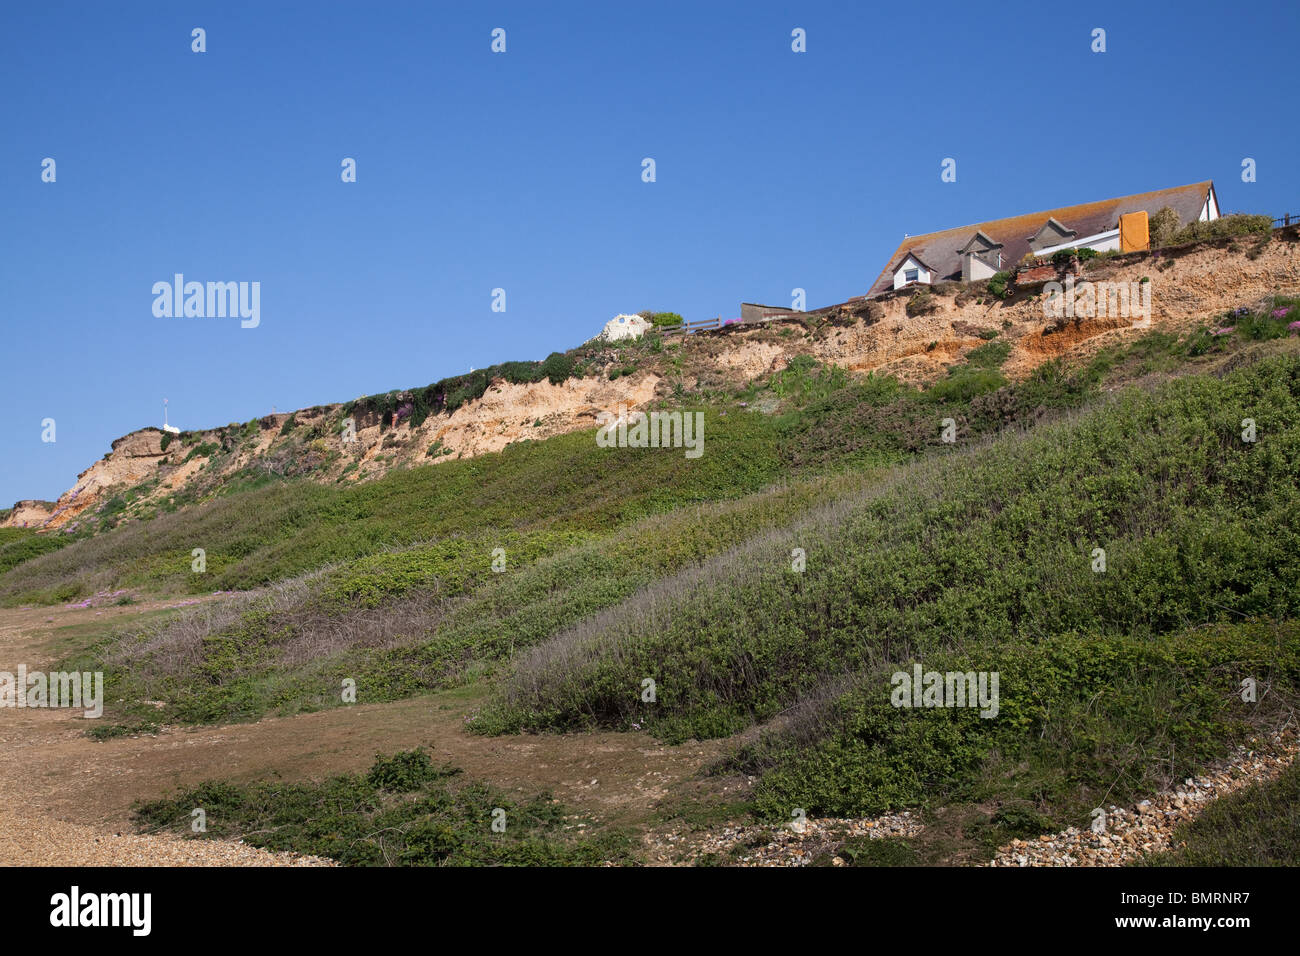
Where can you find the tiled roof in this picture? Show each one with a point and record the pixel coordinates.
(939, 249)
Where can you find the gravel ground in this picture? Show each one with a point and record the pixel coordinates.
(27, 840)
(1132, 832)
(42, 841)
(760, 845)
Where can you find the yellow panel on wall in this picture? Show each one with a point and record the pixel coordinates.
(1133, 233)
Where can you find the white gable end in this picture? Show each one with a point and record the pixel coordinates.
(912, 270)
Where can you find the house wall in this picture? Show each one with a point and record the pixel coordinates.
(1102, 242)
(749, 312)
(1110, 241)
(975, 268)
(922, 275)
(1210, 210)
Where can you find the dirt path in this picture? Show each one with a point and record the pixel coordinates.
(61, 789)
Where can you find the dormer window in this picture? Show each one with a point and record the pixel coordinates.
(1051, 233)
(912, 269)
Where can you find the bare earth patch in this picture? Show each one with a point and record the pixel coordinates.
(66, 797)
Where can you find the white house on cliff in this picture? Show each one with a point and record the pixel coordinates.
(969, 253)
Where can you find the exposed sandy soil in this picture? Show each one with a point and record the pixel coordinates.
(69, 788)
(1188, 287)
(28, 513)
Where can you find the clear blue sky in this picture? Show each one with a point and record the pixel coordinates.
(522, 170)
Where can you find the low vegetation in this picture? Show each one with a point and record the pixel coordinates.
(838, 529)
(22, 544)
(406, 811)
(1081, 718)
(667, 320)
(1231, 225)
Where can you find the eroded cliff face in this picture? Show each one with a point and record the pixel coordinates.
(1188, 287)
(134, 459)
(28, 513)
(312, 447)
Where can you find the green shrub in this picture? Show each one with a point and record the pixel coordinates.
(991, 355)
(557, 368)
(805, 380)
(1000, 285)
(965, 383)
(404, 772)
(205, 450)
(1232, 225)
(1161, 225)
(1264, 325)
(522, 373)
(23, 544)
(1070, 710)
(1063, 257)
(666, 319)
(404, 812)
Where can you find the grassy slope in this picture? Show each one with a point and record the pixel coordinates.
(564, 511)
(253, 536)
(985, 547)
(402, 622)
(632, 564)
(276, 531)
(18, 545)
(1111, 684)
